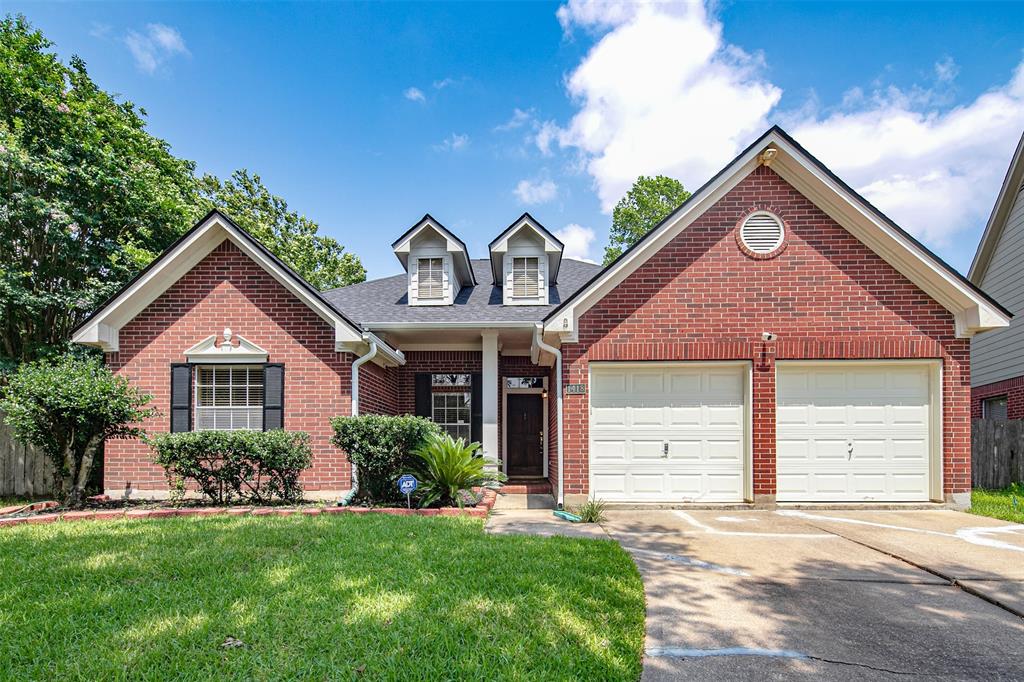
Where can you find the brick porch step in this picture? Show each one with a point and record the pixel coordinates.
(526, 487)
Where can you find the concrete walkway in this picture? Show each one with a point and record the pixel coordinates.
(832, 595)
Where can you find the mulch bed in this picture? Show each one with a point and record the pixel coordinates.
(103, 507)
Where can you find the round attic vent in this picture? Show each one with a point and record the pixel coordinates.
(761, 232)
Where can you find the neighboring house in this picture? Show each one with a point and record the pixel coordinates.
(775, 339)
(997, 360)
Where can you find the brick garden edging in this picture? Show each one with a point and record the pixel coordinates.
(480, 511)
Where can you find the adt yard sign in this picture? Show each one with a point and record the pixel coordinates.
(407, 484)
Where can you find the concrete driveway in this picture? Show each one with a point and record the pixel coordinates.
(828, 594)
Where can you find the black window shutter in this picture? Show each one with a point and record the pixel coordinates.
(181, 397)
(476, 408)
(273, 397)
(424, 408)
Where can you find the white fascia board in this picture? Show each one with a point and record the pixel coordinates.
(552, 249)
(565, 323)
(414, 326)
(103, 330)
(403, 249)
(972, 312)
(386, 355)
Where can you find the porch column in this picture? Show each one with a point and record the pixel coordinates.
(489, 410)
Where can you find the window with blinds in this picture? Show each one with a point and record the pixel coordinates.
(525, 277)
(229, 397)
(994, 408)
(430, 282)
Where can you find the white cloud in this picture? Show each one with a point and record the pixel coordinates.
(662, 92)
(155, 45)
(518, 120)
(414, 95)
(536, 191)
(444, 83)
(577, 240)
(453, 143)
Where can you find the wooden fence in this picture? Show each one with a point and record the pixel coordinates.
(24, 472)
(997, 452)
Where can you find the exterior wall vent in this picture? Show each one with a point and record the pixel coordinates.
(762, 232)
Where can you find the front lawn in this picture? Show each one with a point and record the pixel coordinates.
(313, 598)
(999, 504)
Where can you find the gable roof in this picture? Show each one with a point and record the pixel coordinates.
(381, 302)
(401, 245)
(553, 246)
(1013, 185)
(973, 310)
(102, 327)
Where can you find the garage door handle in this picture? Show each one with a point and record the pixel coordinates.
(849, 449)
(664, 450)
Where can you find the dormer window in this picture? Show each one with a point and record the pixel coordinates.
(430, 284)
(525, 277)
(524, 262)
(436, 261)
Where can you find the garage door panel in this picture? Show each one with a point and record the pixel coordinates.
(685, 416)
(848, 433)
(698, 412)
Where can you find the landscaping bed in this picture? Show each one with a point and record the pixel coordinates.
(328, 596)
(105, 509)
(999, 504)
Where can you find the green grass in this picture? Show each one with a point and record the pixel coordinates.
(999, 503)
(312, 598)
(11, 500)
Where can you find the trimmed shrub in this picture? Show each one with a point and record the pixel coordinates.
(449, 469)
(67, 407)
(232, 466)
(380, 446)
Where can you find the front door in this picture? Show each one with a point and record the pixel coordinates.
(524, 433)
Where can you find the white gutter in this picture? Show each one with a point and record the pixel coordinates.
(538, 335)
(359, 362)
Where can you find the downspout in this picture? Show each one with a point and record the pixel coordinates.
(538, 335)
(359, 362)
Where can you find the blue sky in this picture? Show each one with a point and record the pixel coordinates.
(366, 116)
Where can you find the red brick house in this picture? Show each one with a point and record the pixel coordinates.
(775, 339)
(998, 358)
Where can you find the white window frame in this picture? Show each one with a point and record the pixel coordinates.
(431, 268)
(540, 297)
(253, 413)
(457, 429)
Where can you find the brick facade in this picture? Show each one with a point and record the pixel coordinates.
(826, 296)
(227, 289)
(1013, 389)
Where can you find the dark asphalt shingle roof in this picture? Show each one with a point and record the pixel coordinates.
(386, 299)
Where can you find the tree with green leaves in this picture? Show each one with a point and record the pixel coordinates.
(67, 407)
(87, 196)
(647, 203)
(293, 238)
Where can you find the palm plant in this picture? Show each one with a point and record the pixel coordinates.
(449, 469)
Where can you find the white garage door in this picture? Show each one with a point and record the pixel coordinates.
(852, 433)
(667, 433)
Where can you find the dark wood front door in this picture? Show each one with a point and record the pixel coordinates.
(524, 434)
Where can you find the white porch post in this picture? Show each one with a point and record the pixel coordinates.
(490, 394)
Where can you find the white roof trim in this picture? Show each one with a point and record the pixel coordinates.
(103, 328)
(453, 245)
(207, 350)
(552, 247)
(997, 219)
(972, 311)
